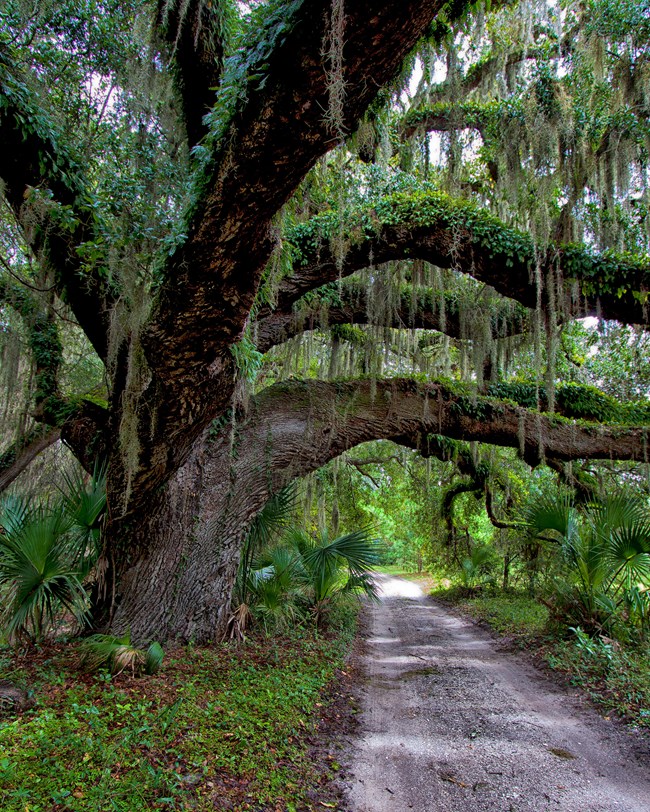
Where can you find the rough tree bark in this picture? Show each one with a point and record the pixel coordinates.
(179, 584)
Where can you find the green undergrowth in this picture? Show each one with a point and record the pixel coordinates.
(616, 676)
(224, 727)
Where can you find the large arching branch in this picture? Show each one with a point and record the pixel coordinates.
(269, 131)
(458, 235)
(425, 309)
(293, 428)
(304, 424)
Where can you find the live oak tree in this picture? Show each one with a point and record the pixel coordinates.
(209, 204)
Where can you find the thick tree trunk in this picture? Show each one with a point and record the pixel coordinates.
(180, 585)
(175, 567)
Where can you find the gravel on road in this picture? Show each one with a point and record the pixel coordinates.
(451, 723)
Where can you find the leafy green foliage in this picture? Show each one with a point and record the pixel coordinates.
(46, 550)
(348, 332)
(476, 565)
(303, 578)
(269, 523)
(615, 676)
(220, 725)
(576, 400)
(85, 504)
(36, 574)
(118, 654)
(153, 658)
(248, 358)
(606, 548)
(334, 567)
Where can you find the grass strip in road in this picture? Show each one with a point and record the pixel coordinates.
(514, 615)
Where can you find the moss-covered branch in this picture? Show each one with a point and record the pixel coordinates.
(457, 234)
(420, 309)
(317, 421)
(574, 400)
(449, 117)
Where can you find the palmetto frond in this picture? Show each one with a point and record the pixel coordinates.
(607, 550)
(36, 573)
(553, 515)
(309, 573)
(85, 504)
(46, 550)
(118, 654)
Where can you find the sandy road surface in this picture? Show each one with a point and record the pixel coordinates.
(450, 723)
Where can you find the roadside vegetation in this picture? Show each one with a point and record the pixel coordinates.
(224, 727)
(99, 723)
(587, 614)
(614, 673)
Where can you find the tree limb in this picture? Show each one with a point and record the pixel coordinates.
(448, 117)
(494, 521)
(270, 126)
(358, 464)
(424, 309)
(455, 234)
(16, 458)
(312, 422)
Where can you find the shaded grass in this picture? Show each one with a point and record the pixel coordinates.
(396, 570)
(225, 727)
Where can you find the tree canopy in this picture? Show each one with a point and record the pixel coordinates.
(240, 238)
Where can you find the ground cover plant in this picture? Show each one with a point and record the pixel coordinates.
(224, 727)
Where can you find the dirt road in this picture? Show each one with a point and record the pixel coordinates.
(451, 723)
